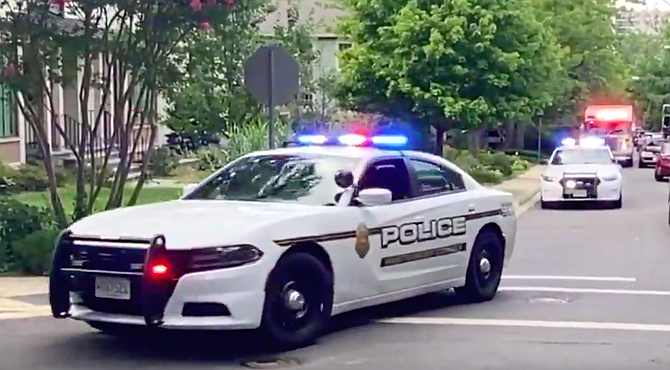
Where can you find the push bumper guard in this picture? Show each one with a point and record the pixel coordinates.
(156, 288)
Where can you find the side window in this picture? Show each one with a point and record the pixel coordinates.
(388, 174)
(435, 179)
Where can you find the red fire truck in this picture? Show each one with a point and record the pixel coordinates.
(616, 124)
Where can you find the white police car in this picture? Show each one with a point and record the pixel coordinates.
(283, 239)
(584, 171)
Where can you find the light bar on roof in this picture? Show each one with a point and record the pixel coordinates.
(352, 139)
(312, 139)
(391, 140)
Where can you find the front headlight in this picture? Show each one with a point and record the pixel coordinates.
(547, 178)
(222, 257)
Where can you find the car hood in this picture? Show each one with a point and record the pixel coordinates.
(192, 223)
(582, 169)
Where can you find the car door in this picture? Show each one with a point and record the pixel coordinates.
(441, 193)
(391, 265)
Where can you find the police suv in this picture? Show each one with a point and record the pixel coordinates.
(583, 170)
(281, 240)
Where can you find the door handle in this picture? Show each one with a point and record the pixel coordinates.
(471, 208)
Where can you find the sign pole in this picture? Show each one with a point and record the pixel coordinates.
(271, 106)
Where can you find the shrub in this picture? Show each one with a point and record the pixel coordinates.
(486, 175)
(211, 158)
(17, 221)
(164, 162)
(502, 163)
(33, 253)
(26, 178)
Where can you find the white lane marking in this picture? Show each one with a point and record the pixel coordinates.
(527, 323)
(583, 290)
(576, 278)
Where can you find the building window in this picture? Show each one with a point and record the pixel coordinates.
(344, 46)
(7, 124)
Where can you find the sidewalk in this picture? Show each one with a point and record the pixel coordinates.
(22, 297)
(523, 187)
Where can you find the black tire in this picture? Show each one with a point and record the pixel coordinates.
(641, 164)
(284, 328)
(617, 204)
(669, 215)
(117, 330)
(658, 176)
(481, 286)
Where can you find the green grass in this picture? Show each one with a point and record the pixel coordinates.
(67, 194)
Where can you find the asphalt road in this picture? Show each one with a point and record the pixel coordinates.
(586, 288)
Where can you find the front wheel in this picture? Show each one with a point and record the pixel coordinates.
(484, 269)
(298, 302)
(617, 204)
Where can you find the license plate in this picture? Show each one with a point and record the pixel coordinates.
(579, 193)
(112, 288)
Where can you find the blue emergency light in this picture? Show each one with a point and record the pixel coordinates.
(586, 142)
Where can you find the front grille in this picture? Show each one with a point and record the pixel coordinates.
(121, 260)
(91, 258)
(589, 184)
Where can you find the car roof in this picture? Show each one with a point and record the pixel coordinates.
(337, 151)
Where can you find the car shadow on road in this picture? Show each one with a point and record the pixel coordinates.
(232, 348)
(581, 206)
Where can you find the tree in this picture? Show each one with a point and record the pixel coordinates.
(134, 41)
(210, 95)
(593, 66)
(466, 63)
(650, 71)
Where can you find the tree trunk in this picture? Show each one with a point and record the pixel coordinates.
(520, 135)
(510, 134)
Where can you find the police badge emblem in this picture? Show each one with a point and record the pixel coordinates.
(362, 245)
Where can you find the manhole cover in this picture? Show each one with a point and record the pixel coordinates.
(271, 363)
(550, 300)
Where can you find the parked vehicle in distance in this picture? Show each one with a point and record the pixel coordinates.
(650, 152)
(663, 164)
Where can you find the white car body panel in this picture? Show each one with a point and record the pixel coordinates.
(609, 175)
(276, 227)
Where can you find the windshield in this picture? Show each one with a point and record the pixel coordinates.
(581, 156)
(299, 179)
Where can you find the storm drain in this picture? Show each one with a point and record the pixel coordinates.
(272, 363)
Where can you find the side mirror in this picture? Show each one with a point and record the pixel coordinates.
(344, 178)
(189, 188)
(375, 197)
(544, 162)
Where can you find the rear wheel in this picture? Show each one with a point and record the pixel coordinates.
(484, 269)
(657, 175)
(298, 302)
(641, 164)
(617, 204)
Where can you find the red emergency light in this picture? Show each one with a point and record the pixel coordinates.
(612, 115)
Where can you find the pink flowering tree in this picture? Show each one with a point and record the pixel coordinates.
(116, 55)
